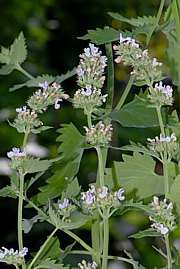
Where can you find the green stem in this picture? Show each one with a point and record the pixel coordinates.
(110, 78)
(80, 241)
(100, 183)
(126, 91)
(89, 120)
(158, 109)
(42, 248)
(177, 26)
(105, 241)
(26, 137)
(95, 237)
(155, 24)
(20, 209)
(169, 258)
(19, 68)
(166, 179)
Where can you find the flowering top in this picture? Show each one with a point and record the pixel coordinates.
(45, 96)
(10, 256)
(89, 98)
(17, 157)
(129, 53)
(87, 265)
(161, 144)
(99, 134)
(65, 209)
(16, 152)
(91, 79)
(162, 217)
(91, 68)
(101, 198)
(26, 119)
(161, 95)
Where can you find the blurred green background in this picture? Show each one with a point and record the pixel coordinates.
(51, 28)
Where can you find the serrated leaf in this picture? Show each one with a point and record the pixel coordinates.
(5, 56)
(50, 251)
(36, 165)
(102, 36)
(11, 190)
(73, 189)
(34, 82)
(133, 174)
(61, 78)
(139, 21)
(71, 151)
(140, 148)
(146, 233)
(175, 194)
(136, 114)
(18, 50)
(50, 264)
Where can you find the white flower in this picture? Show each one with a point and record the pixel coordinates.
(160, 227)
(16, 152)
(103, 193)
(57, 103)
(64, 204)
(44, 85)
(119, 194)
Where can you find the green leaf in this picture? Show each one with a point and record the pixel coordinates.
(51, 251)
(34, 82)
(102, 36)
(6, 69)
(5, 56)
(72, 190)
(139, 21)
(71, 151)
(140, 148)
(18, 50)
(28, 223)
(146, 233)
(61, 78)
(50, 264)
(35, 165)
(11, 190)
(175, 194)
(136, 114)
(136, 175)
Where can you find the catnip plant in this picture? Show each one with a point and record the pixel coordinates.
(62, 202)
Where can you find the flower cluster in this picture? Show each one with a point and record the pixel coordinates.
(162, 218)
(91, 79)
(17, 157)
(130, 54)
(87, 265)
(45, 96)
(89, 98)
(26, 119)
(161, 95)
(65, 209)
(99, 134)
(161, 144)
(91, 67)
(10, 256)
(101, 198)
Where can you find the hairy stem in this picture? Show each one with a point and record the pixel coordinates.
(20, 209)
(155, 24)
(24, 72)
(110, 77)
(105, 241)
(166, 178)
(42, 248)
(126, 91)
(100, 183)
(158, 109)
(79, 240)
(169, 258)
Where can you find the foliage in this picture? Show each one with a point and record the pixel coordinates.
(135, 183)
